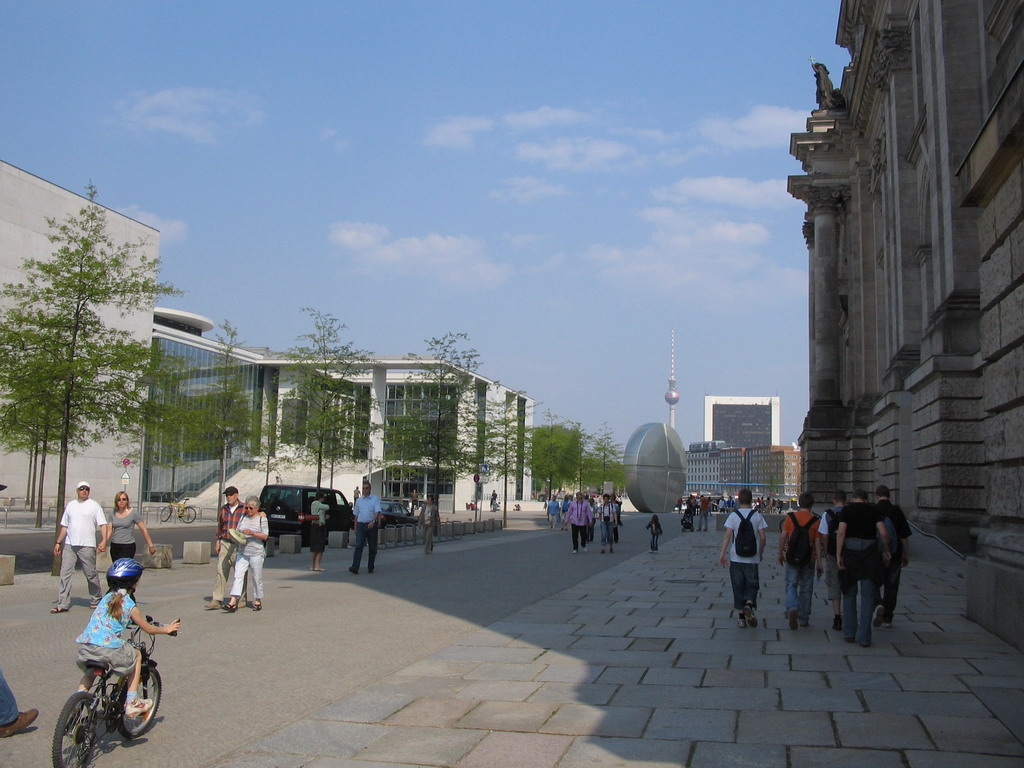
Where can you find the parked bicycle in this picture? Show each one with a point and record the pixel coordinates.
(78, 726)
(185, 511)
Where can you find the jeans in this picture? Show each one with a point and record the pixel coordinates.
(69, 556)
(579, 532)
(746, 583)
(704, 517)
(654, 542)
(8, 706)
(607, 532)
(800, 589)
(365, 535)
(857, 618)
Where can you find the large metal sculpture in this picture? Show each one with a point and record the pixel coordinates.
(655, 463)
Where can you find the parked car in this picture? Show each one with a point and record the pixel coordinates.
(287, 509)
(395, 513)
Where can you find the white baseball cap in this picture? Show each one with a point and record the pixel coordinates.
(83, 484)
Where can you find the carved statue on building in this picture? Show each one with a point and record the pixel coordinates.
(827, 96)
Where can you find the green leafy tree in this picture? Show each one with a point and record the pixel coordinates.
(506, 445)
(604, 460)
(60, 343)
(552, 459)
(322, 367)
(438, 426)
(224, 405)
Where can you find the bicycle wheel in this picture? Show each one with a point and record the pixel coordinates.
(190, 514)
(150, 687)
(166, 512)
(75, 734)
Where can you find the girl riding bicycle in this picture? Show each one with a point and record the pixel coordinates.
(101, 642)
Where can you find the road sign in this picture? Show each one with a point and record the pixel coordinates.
(126, 462)
(476, 478)
(126, 478)
(485, 468)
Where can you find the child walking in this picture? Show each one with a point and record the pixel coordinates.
(101, 642)
(655, 528)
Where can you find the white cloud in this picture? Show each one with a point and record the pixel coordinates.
(333, 139)
(459, 132)
(543, 117)
(171, 230)
(197, 114)
(731, 191)
(763, 126)
(527, 189)
(457, 260)
(578, 154)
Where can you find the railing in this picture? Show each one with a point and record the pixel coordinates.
(939, 539)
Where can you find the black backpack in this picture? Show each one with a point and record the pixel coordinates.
(746, 541)
(798, 548)
(833, 529)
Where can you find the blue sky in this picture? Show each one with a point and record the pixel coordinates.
(564, 181)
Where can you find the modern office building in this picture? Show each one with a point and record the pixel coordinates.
(155, 468)
(912, 169)
(742, 422)
(703, 462)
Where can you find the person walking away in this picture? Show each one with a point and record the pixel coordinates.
(705, 512)
(429, 521)
(579, 517)
(797, 552)
(76, 543)
(606, 514)
(254, 526)
(828, 529)
(225, 546)
(860, 567)
(655, 528)
(122, 524)
(898, 528)
(317, 530)
(742, 550)
(566, 501)
(11, 720)
(368, 515)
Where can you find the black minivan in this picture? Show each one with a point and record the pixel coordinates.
(287, 509)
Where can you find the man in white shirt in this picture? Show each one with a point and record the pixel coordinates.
(76, 543)
(367, 514)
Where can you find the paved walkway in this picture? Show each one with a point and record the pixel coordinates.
(643, 665)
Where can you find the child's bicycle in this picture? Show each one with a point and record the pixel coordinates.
(78, 725)
(186, 512)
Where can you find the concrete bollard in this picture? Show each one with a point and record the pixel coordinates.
(164, 557)
(338, 539)
(444, 530)
(271, 547)
(6, 570)
(458, 527)
(196, 553)
(290, 544)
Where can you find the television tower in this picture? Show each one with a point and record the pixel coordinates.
(672, 396)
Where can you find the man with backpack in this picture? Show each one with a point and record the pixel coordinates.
(860, 567)
(797, 550)
(828, 529)
(898, 529)
(742, 550)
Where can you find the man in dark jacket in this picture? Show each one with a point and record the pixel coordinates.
(896, 522)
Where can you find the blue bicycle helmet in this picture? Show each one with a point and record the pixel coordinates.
(125, 568)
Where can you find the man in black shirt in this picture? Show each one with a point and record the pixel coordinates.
(860, 527)
(899, 531)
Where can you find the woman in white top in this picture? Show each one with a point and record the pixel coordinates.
(253, 526)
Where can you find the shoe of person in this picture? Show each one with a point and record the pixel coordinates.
(602, 551)
(876, 620)
(213, 605)
(230, 607)
(804, 623)
(849, 639)
(20, 723)
(864, 645)
(369, 570)
(886, 625)
(751, 616)
(742, 621)
(353, 569)
(791, 615)
(138, 707)
(837, 623)
(610, 550)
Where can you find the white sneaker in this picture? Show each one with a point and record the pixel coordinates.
(876, 620)
(138, 707)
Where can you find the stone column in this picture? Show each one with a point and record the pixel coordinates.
(825, 204)
(378, 396)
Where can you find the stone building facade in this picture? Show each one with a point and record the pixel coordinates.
(914, 188)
